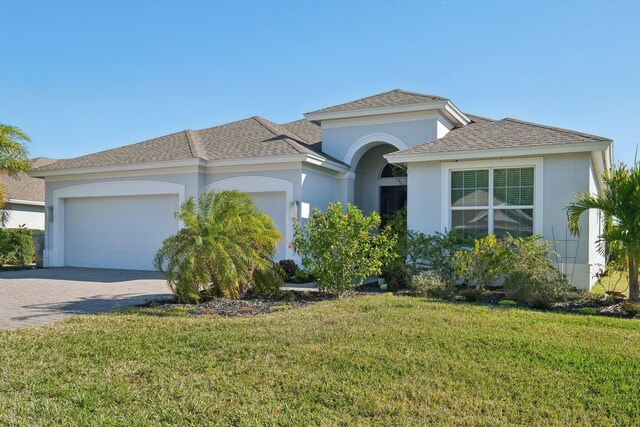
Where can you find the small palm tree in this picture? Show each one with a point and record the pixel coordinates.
(224, 245)
(619, 203)
(14, 158)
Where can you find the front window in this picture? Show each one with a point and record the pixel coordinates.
(493, 200)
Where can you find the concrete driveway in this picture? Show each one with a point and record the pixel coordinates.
(34, 297)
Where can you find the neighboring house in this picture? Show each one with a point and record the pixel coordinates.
(25, 204)
(113, 208)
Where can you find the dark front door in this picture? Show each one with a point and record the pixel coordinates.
(392, 198)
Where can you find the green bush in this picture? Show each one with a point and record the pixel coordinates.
(434, 252)
(531, 278)
(632, 309)
(428, 284)
(395, 270)
(289, 267)
(16, 246)
(342, 249)
(507, 303)
(487, 262)
(471, 294)
(303, 276)
(268, 281)
(590, 311)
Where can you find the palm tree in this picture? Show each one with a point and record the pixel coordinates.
(225, 245)
(619, 203)
(14, 158)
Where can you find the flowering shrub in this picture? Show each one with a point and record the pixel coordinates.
(342, 249)
(289, 267)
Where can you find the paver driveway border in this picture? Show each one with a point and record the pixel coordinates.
(35, 297)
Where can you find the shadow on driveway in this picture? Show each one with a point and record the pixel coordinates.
(80, 274)
(32, 297)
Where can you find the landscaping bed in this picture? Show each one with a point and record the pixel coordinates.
(250, 305)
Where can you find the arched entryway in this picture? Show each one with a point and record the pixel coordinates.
(379, 186)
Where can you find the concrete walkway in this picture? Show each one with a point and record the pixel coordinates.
(34, 297)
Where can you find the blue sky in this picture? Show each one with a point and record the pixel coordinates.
(83, 76)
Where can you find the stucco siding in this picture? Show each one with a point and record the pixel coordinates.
(318, 190)
(30, 216)
(563, 176)
(424, 188)
(337, 141)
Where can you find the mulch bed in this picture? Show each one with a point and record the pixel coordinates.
(251, 304)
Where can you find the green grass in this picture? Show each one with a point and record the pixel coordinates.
(382, 360)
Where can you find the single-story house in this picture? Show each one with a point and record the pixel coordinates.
(25, 198)
(451, 170)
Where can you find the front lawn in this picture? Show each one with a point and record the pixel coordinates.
(368, 360)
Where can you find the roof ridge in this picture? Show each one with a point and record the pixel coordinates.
(284, 128)
(426, 95)
(470, 115)
(194, 144)
(569, 131)
(225, 124)
(268, 124)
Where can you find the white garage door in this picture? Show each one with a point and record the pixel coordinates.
(274, 204)
(117, 232)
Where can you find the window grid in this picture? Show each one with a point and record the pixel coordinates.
(492, 205)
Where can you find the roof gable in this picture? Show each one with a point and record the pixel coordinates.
(487, 134)
(385, 99)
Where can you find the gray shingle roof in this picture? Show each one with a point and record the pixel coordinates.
(486, 134)
(252, 137)
(23, 187)
(258, 137)
(385, 99)
(311, 132)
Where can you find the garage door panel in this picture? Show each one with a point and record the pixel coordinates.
(117, 232)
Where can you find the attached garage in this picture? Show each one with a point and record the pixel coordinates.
(119, 231)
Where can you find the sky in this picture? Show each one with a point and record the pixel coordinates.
(84, 76)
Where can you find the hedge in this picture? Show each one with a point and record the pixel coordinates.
(16, 246)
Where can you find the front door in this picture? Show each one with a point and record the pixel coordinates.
(392, 198)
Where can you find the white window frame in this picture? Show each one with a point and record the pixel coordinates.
(535, 162)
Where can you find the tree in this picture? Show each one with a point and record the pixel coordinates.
(14, 158)
(619, 204)
(225, 245)
(343, 249)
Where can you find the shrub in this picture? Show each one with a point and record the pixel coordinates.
(267, 281)
(225, 245)
(507, 303)
(471, 294)
(342, 249)
(532, 279)
(485, 263)
(632, 309)
(16, 246)
(433, 252)
(395, 270)
(304, 276)
(289, 267)
(590, 311)
(428, 284)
